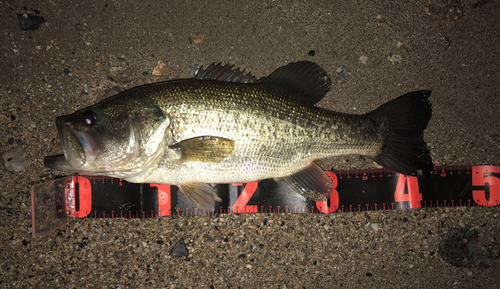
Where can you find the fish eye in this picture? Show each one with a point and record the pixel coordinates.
(89, 117)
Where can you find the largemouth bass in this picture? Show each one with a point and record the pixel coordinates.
(225, 126)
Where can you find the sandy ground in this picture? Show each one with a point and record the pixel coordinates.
(387, 47)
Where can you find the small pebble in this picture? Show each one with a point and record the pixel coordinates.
(15, 159)
(342, 75)
(160, 68)
(395, 58)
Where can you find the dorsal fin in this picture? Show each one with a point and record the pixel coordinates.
(225, 73)
(307, 79)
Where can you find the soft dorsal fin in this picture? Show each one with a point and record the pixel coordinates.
(226, 73)
(307, 79)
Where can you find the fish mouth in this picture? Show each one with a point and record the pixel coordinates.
(80, 148)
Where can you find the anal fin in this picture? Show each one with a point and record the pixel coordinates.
(311, 182)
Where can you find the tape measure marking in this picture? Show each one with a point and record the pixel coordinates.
(58, 201)
(353, 191)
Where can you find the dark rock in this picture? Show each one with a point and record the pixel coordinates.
(29, 22)
(460, 248)
(180, 249)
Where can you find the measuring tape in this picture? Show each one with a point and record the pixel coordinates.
(59, 201)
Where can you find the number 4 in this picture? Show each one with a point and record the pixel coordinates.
(414, 197)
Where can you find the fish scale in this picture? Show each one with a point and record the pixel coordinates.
(263, 122)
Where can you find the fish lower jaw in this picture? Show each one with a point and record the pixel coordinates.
(137, 175)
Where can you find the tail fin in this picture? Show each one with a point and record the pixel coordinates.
(402, 124)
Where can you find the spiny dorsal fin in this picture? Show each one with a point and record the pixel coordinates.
(226, 73)
(112, 91)
(307, 79)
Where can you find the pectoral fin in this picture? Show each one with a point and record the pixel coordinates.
(203, 195)
(311, 182)
(207, 149)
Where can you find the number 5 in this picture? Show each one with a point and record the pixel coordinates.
(482, 177)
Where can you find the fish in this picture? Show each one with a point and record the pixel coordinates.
(226, 126)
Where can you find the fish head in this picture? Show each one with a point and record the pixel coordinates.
(117, 137)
